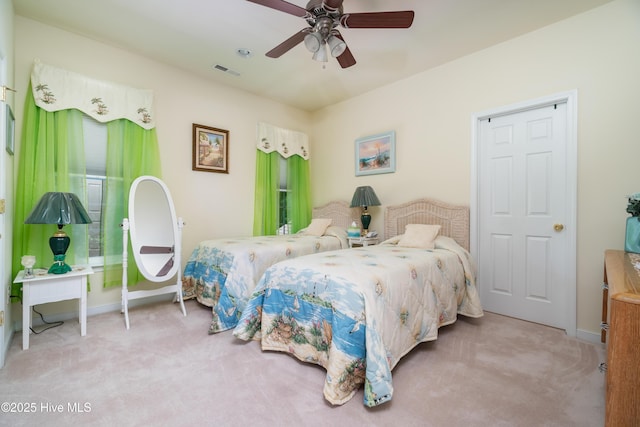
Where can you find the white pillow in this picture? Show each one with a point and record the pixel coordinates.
(318, 226)
(419, 236)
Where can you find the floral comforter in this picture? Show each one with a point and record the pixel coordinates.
(223, 273)
(357, 312)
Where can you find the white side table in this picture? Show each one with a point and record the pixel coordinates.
(43, 288)
(362, 241)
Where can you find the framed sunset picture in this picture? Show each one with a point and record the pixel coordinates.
(376, 154)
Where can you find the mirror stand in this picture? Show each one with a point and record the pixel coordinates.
(155, 235)
(130, 295)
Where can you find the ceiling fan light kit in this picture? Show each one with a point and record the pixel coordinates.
(321, 54)
(312, 42)
(336, 46)
(323, 18)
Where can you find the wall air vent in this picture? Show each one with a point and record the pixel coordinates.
(226, 70)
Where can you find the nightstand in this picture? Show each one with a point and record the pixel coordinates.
(42, 288)
(362, 241)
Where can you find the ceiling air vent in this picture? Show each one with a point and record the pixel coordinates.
(226, 70)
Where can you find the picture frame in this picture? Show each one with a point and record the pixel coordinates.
(210, 149)
(376, 154)
(10, 126)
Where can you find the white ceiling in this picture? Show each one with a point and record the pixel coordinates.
(196, 35)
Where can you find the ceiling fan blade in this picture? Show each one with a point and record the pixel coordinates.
(400, 19)
(282, 6)
(345, 60)
(331, 5)
(287, 45)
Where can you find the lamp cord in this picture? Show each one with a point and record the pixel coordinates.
(51, 324)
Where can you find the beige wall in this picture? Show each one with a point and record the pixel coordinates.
(596, 53)
(212, 204)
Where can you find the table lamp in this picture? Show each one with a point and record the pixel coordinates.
(363, 197)
(61, 209)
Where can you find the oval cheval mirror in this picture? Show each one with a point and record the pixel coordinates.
(155, 234)
(153, 229)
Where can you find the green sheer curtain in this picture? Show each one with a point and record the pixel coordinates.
(131, 152)
(267, 192)
(51, 159)
(298, 182)
(273, 143)
(265, 210)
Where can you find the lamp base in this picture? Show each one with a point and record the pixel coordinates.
(59, 243)
(59, 266)
(366, 220)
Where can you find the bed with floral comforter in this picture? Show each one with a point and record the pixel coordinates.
(356, 312)
(222, 273)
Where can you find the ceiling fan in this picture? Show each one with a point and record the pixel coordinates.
(323, 17)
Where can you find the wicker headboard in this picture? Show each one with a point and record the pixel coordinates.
(339, 211)
(454, 219)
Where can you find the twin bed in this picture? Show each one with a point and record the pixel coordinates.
(357, 312)
(222, 273)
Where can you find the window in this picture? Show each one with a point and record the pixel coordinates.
(95, 143)
(284, 224)
(94, 208)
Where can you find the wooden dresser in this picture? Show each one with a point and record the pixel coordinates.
(621, 332)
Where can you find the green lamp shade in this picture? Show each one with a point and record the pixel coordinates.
(61, 209)
(365, 196)
(58, 208)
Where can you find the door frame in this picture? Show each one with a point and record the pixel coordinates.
(5, 338)
(571, 100)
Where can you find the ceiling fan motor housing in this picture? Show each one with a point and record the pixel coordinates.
(322, 18)
(321, 7)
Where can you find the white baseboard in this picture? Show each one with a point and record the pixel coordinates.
(6, 345)
(93, 311)
(588, 336)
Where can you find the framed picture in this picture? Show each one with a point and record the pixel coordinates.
(210, 149)
(376, 154)
(11, 130)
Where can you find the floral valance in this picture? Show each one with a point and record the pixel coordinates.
(284, 141)
(55, 89)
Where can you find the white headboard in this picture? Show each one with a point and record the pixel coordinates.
(339, 211)
(454, 219)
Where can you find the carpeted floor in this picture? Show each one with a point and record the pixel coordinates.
(167, 371)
